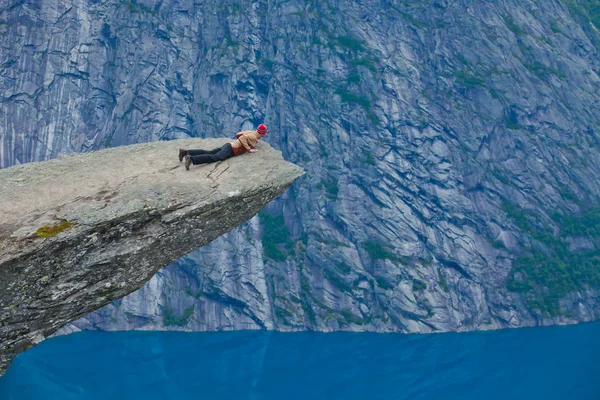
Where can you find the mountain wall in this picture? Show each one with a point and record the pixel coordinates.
(451, 151)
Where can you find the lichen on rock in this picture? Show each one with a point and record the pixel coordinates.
(52, 230)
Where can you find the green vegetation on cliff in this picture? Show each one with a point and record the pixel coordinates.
(380, 251)
(549, 270)
(170, 319)
(276, 240)
(588, 14)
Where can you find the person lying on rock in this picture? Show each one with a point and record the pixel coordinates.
(246, 140)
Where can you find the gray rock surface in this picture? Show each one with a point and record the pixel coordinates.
(80, 231)
(435, 134)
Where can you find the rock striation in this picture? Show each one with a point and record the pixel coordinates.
(80, 231)
(452, 149)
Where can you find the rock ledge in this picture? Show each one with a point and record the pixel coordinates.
(80, 231)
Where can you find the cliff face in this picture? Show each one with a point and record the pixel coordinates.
(451, 151)
(79, 232)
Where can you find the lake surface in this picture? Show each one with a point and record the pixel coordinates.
(532, 363)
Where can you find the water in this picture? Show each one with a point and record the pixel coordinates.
(537, 363)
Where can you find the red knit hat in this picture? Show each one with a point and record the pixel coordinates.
(262, 129)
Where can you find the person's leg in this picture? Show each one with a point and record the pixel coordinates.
(197, 152)
(220, 154)
(203, 159)
(225, 152)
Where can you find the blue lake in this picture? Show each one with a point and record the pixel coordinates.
(533, 363)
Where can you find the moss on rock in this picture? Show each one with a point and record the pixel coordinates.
(52, 230)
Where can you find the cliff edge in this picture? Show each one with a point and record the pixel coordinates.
(80, 231)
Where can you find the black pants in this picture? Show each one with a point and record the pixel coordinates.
(208, 156)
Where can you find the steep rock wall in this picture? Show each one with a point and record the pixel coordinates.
(451, 150)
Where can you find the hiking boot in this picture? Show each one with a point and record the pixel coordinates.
(188, 162)
(182, 153)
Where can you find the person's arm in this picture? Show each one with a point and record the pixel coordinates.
(244, 141)
(257, 138)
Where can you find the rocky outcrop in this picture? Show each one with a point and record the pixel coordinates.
(81, 231)
(451, 148)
